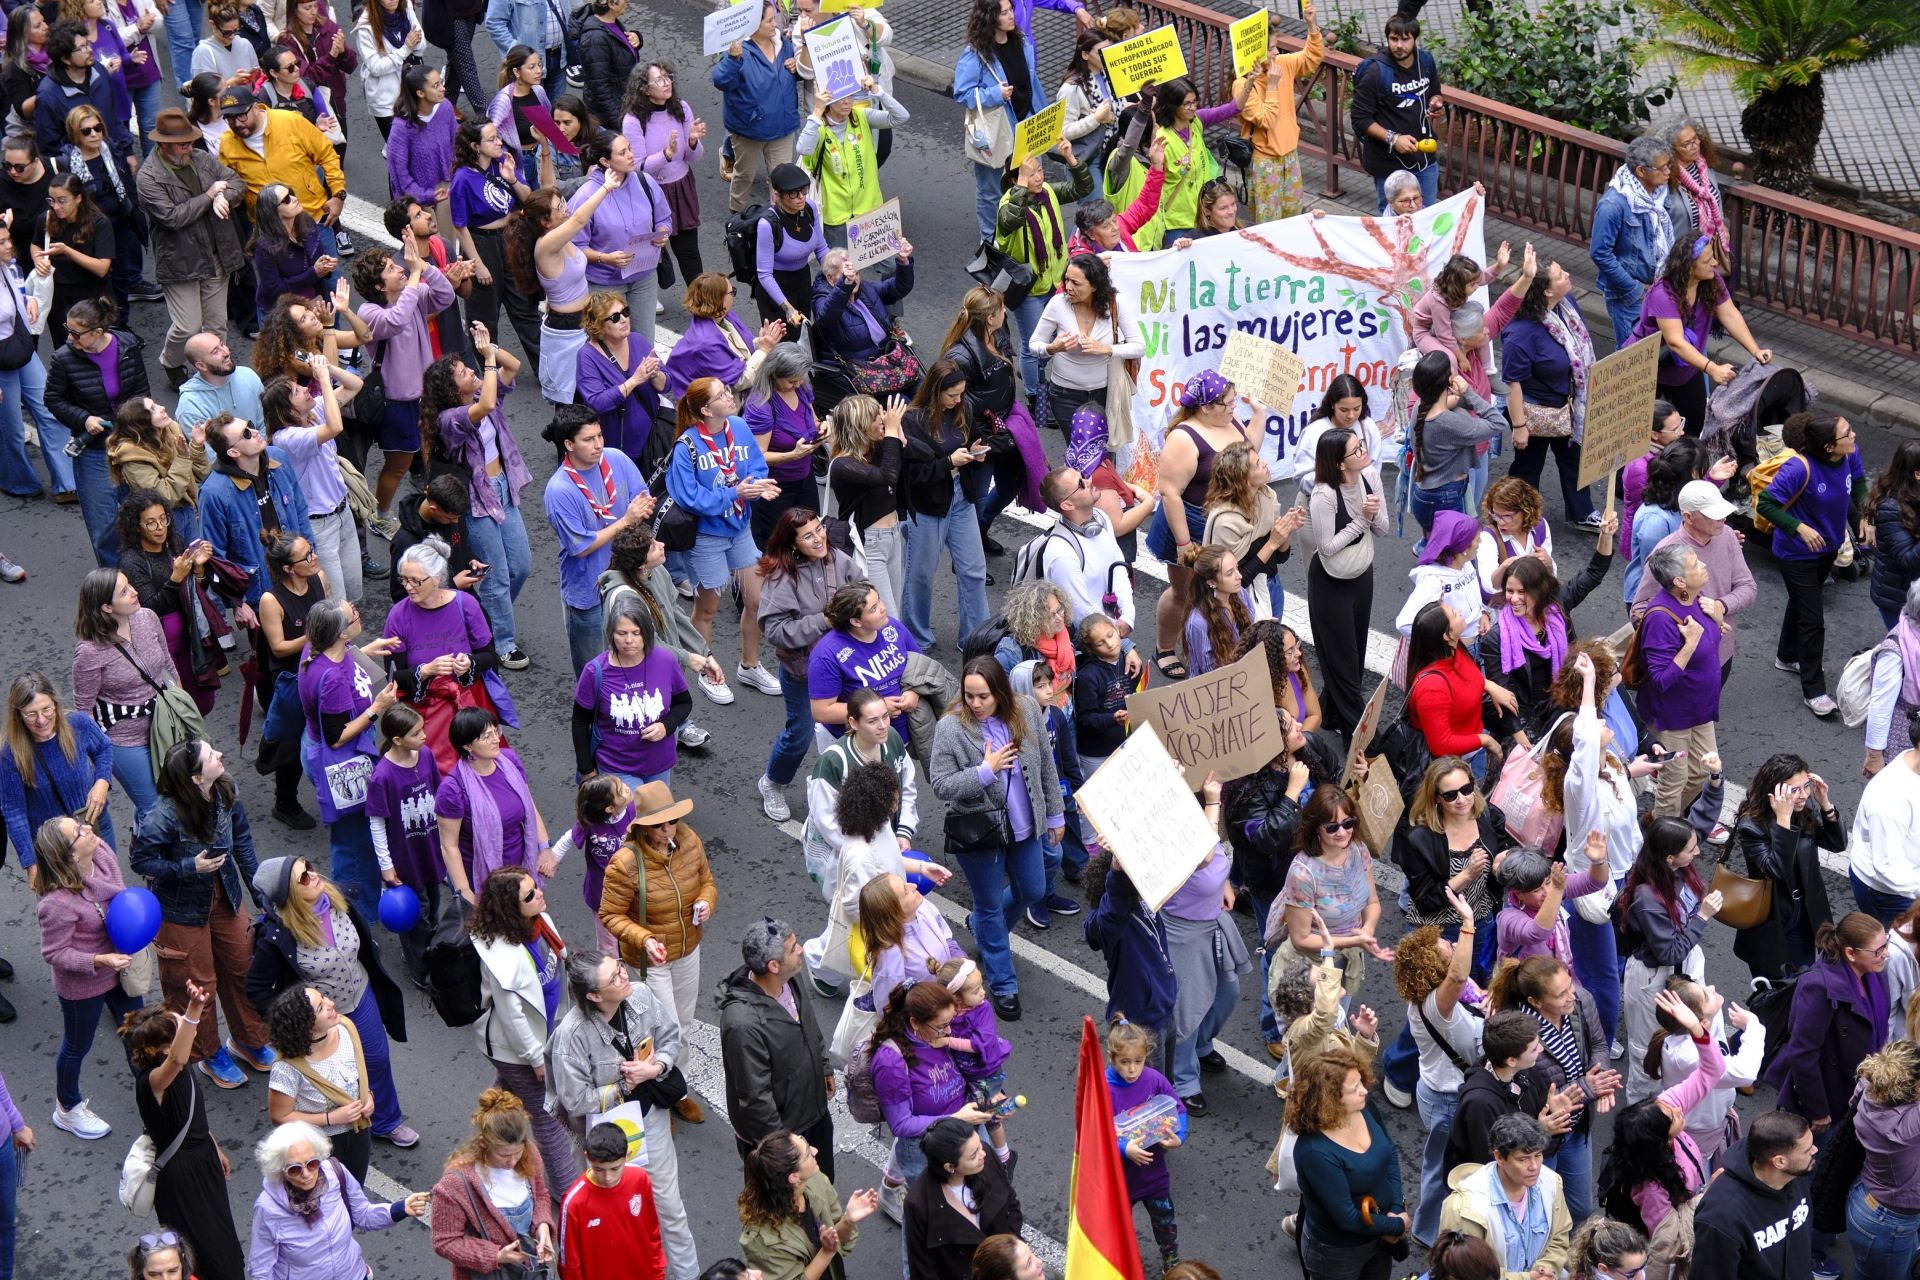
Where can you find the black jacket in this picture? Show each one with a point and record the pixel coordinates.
(1423, 854)
(766, 1055)
(990, 380)
(76, 391)
(605, 62)
(940, 1242)
(414, 530)
(1262, 820)
(1745, 1230)
(275, 968)
(1783, 943)
(1896, 557)
(1484, 1099)
(926, 479)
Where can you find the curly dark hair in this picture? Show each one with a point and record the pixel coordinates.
(496, 916)
(126, 521)
(1099, 280)
(639, 104)
(1676, 272)
(369, 272)
(1668, 470)
(290, 1020)
(867, 799)
(983, 19)
(437, 394)
(279, 342)
(766, 1200)
(1642, 1152)
(466, 145)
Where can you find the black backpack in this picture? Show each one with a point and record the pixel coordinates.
(983, 639)
(453, 982)
(743, 241)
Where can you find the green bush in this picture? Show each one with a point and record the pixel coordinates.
(1570, 60)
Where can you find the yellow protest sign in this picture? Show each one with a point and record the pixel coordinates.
(841, 6)
(1249, 39)
(1039, 133)
(1155, 56)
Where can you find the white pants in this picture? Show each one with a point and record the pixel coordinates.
(663, 1167)
(886, 564)
(337, 544)
(676, 985)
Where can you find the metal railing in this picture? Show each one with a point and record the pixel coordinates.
(1816, 264)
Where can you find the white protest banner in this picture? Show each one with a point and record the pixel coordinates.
(1338, 292)
(1264, 372)
(1148, 816)
(725, 26)
(1222, 722)
(1620, 394)
(873, 237)
(837, 66)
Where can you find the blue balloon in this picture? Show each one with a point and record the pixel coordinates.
(917, 879)
(133, 919)
(399, 908)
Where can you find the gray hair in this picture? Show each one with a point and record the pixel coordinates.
(271, 1154)
(1668, 564)
(429, 556)
(1645, 151)
(830, 265)
(1469, 319)
(1516, 1132)
(627, 607)
(764, 942)
(1524, 870)
(1672, 131)
(327, 621)
(583, 975)
(1398, 182)
(788, 360)
(1911, 609)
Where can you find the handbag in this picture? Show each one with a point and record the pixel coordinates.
(176, 717)
(328, 1090)
(892, 370)
(855, 1027)
(981, 830)
(19, 345)
(1518, 795)
(368, 408)
(1550, 424)
(1001, 272)
(1744, 903)
(142, 973)
(1633, 667)
(140, 1171)
(988, 138)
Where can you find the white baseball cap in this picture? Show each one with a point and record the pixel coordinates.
(1704, 498)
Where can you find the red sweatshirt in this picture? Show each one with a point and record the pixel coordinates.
(1445, 698)
(611, 1233)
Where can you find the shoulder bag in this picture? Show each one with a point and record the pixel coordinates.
(137, 978)
(981, 830)
(18, 346)
(1633, 667)
(1745, 903)
(989, 135)
(176, 717)
(333, 1095)
(140, 1171)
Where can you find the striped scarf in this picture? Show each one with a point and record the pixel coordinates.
(1559, 1042)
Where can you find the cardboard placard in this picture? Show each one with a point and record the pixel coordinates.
(1154, 55)
(1223, 721)
(1039, 133)
(874, 237)
(837, 65)
(542, 121)
(1377, 807)
(1263, 371)
(1145, 812)
(729, 25)
(1620, 394)
(1248, 36)
(1363, 731)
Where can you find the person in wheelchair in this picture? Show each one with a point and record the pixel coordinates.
(859, 347)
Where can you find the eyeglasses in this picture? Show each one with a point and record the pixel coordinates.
(155, 522)
(312, 557)
(813, 532)
(228, 32)
(413, 584)
(1464, 790)
(1335, 828)
(490, 734)
(311, 1166)
(940, 1028)
(614, 317)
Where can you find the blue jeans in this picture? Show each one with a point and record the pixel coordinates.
(1884, 1240)
(1624, 310)
(9, 1197)
(146, 105)
(1400, 1063)
(796, 735)
(1479, 475)
(133, 770)
(1429, 194)
(986, 198)
(1436, 1116)
(1270, 1028)
(1574, 1163)
(1596, 963)
(503, 545)
(1027, 318)
(28, 384)
(99, 503)
(1004, 883)
(959, 532)
(1423, 503)
(1188, 1050)
(387, 1115)
(586, 634)
(1884, 907)
(355, 868)
(185, 22)
(16, 470)
(80, 1019)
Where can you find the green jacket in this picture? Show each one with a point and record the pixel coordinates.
(783, 1252)
(1048, 257)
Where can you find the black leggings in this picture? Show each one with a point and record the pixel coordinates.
(1338, 609)
(1690, 398)
(1803, 623)
(463, 72)
(484, 303)
(686, 253)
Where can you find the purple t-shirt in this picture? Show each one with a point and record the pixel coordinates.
(451, 802)
(426, 634)
(1661, 304)
(476, 199)
(840, 664)
(404, 799)
(624, 701)
(598, 842)
(1815, 493)
(785, 428)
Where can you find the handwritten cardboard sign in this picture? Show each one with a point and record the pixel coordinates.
(1155, 55)
(1263, 371)
(730, 25)
(1223, 721)
(1248, 36)
(1620, 392)
(837, 65)
(1363, 732)
(1377, 806)
(874, 237)
(1147, 814)
(1039, 133)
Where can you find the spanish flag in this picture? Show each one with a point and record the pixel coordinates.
(1100, 1240)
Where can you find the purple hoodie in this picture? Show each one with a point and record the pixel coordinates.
(1146, 1181)
(703, 353)
(913, 1097)
(420, 156)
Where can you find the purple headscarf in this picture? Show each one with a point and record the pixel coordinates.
(1204, 388)
(1087, 440)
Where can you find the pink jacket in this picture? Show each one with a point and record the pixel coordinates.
(73, 929)
(1652, 1198)
(1433, 331)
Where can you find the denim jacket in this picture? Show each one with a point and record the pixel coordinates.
(164, 854)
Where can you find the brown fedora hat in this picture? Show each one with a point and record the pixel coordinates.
(172, 125)
(654, 805)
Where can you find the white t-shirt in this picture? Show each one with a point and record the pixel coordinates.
(1884, 829)
(342, 1071)
(1462, 1030)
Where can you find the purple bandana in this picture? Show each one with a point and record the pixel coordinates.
(1204, 388)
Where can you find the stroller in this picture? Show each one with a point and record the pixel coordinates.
(1744, 419)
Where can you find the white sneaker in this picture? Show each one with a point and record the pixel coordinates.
(758, 677)
(772, 802)
(716, 690)
(893, 1199)
(659, 308)
(692, 736)
(81, 1122)
(1397, 1096)
(1821, 705)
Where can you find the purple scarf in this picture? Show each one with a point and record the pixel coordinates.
(1020, 426)
(1517, 639)
(323, 912)
(483, 821)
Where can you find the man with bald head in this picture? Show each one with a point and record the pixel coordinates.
(218, 385)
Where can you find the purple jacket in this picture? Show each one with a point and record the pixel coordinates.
(404, 332)
(913, 1097)
(627, 420)
(282, 267)
(703, 353)
(650, 144)
(980, 1028)
(628, 219)
(461, 436)
(926, 945)
(1833, 1027)
(284, 1245)
(73, 929)
(500, 111)
(420, 156)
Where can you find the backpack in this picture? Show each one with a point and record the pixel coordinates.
(743, 241)
(985, 638)
(1855, 688)
(175, 718)
(453, 983)
(1633, 667)
(1029, 562)
(863, 1100)
(1762, 476)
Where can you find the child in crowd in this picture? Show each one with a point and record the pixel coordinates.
(1036, 676)
(602, 812)
(977, 1045)
(406, 837)
(1100, 688)
(1146, 1129)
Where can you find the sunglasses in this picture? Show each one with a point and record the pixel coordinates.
(1466, 789)
(1345, 824)
(530, 894)
(20, 166)
(89, 130)
(248, 433)
(311, 1166)
(306, 877)
(616, 316)
(80, 335)
(163, 1240)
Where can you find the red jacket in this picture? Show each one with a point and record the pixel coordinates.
(1445, 701)
(1132, 218)
(611, 1233)
(467, 1230)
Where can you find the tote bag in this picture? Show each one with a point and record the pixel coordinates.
(140, 1171)
(989, 134)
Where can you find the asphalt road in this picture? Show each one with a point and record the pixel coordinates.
(70, 1222)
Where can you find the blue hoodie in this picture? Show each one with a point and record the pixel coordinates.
(760, 97)
(693, 477)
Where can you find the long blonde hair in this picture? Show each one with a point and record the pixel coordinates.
(1232, 483)
(300, 920)
(850, 428)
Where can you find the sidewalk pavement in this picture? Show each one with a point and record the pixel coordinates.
(1871, 387)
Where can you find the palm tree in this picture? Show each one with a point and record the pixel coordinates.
(1776, 53)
